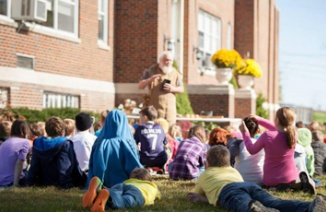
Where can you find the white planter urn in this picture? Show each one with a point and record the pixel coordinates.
(245, 81)
(223, 75)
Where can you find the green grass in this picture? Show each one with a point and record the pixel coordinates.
(173, 198)
(319, 117)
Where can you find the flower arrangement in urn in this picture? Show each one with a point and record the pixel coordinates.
(251, 68)
(227, 58)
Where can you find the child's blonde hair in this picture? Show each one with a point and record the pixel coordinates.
(69, 127)
(103, 116)
(164, 123)
(97, 125)
(175, 131)
(199, 132)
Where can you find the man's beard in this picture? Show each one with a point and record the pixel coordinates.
(165, 69)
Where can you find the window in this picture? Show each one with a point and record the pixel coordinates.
(4, 7)
(56, 100)
(103, 21)
(209, 35)
(4, 97)
(229, 36)
(24, 61)
(63, 15)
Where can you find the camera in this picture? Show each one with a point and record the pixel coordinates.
(165, 81)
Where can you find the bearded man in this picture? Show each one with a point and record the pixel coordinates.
(163, 82)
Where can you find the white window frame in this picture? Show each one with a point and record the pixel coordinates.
(59, 100)
(74, 3)
(4, 102)
(8, 16)
(229, 37)
(105, 15)
(207, 21)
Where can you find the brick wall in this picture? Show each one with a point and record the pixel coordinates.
(242, 107)
(80, 57)
(54, 55)
(136, 38)
(219, 104)
(244, 27)
(258, 35)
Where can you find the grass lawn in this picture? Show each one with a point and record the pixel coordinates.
(173, 198)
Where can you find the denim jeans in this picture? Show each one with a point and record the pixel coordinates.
(237, 196)
(125, 196)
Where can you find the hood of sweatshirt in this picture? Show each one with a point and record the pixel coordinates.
(304, 137)
(44, 143)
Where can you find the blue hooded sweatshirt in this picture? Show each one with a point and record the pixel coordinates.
(114, 154)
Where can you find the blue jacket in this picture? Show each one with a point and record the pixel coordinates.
(114, 154)
(54, 163)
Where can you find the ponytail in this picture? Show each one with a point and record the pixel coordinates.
(290, 136)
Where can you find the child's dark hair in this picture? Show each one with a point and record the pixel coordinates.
(141, 174)
(5, 128)
(20, 129)
(218, 156)
(150, 112)
(252, 125)
(54, 127)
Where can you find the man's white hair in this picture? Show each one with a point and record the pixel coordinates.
(165, 53)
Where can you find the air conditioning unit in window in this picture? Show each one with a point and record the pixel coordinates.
(29, 10)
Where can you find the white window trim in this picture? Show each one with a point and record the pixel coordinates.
(103, 43)
(207, 34)
(53, 32)
(29, 56)
(76, 16)
(55, 100)
(8, 10)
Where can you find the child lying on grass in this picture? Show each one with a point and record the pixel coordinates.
(221, 185)
(134, 192)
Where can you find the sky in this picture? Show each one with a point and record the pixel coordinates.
(302, 52)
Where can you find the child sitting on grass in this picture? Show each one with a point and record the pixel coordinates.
(221, 185)
(152, 139)
(137, 191)
(54, 161)
(189, 161)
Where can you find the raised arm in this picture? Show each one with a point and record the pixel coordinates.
(252, 148)
(147, 80)
(264, 122)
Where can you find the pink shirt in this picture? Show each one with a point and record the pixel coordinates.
(279, 165)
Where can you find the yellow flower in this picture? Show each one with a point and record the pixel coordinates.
(251, 67)
(226, 58)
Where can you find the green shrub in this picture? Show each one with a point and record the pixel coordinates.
(183, 102)
(33, 116)
(260, 111)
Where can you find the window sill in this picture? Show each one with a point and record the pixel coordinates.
(5, 20)
(52, 32)
(103, 46)
(206, 72)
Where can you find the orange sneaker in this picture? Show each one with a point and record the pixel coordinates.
(89, 196)
(100, 201)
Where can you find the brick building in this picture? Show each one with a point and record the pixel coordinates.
(91, 54)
